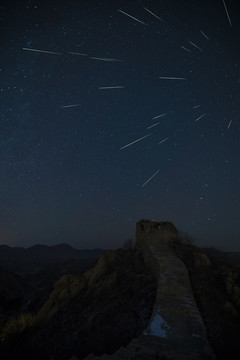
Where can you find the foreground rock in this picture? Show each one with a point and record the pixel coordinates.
(176, 329)
(98, 311)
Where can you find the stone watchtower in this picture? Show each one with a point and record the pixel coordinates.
(151, 235)
(163, 232)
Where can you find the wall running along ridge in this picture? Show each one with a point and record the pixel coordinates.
(176, 329)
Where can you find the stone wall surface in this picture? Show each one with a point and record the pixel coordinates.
(176, 329)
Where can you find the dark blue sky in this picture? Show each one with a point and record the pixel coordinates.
(63, 174)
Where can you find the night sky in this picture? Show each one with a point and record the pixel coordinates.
(65, 173)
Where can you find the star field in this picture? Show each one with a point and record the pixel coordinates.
(80, 80)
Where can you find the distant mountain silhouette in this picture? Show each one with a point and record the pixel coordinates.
(21, 260)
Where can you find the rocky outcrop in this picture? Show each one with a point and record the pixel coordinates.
(98, 311)
(201, 261)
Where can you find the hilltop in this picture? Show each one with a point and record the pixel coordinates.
(162, 299)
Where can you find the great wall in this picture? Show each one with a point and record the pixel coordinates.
(176, 329)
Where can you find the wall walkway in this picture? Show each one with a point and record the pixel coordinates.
(176, 329)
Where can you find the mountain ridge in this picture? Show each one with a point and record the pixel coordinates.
(111, 310)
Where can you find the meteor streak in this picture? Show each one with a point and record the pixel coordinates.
(227, 13)
(170, 78)
(123, 12)
(183, 47)
(200, 117)
(230, 122)
(195, 107)
(195, 46)
(74, 53)
(68, 106)
(135, 141)
(158, 116)
(163, 140)
(153, 125)
(153, 14)
(110, 87)
(204, 34)
(103, 59)
(150, 178)
(42, 51)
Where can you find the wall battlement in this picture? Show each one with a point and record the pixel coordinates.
(147, 230)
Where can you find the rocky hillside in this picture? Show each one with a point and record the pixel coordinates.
(104, 309)
(27, 277)
(215, 279)
(98, 312)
